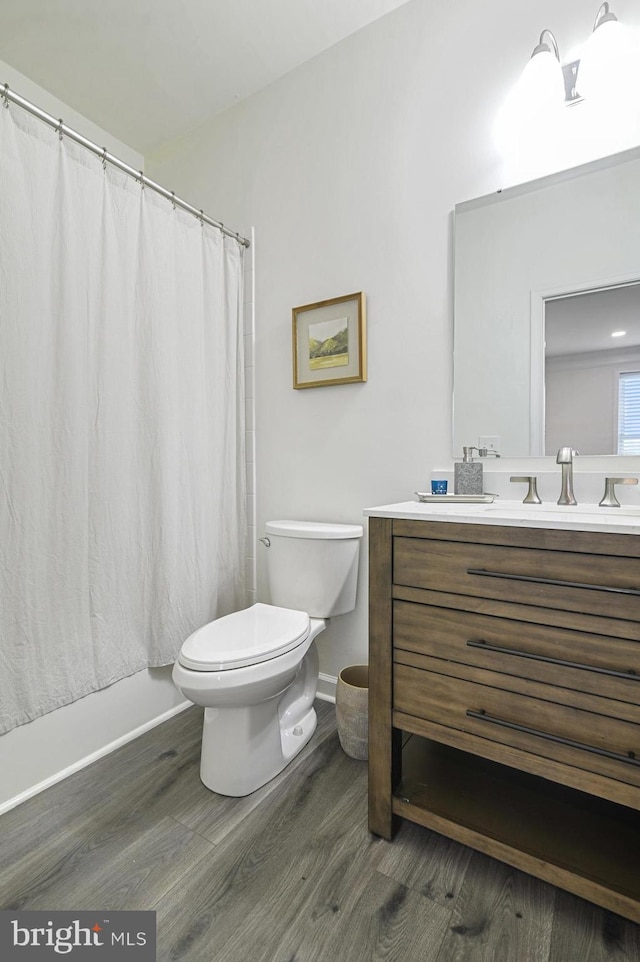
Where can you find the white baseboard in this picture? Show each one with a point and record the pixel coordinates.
(326, 692)
(327, 687)
(93, 757)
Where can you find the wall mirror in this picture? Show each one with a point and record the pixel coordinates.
(545, 274)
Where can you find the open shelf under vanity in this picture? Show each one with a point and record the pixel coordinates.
(584, 844)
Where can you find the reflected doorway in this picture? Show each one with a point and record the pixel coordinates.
(591, 339)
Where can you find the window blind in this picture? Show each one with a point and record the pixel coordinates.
(629, 413)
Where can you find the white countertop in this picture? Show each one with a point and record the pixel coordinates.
(581, 517)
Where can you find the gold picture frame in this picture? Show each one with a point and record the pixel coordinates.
(330, 342)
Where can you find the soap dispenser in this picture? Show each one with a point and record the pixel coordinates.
(467, 474)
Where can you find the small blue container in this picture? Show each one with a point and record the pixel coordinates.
(438, 487)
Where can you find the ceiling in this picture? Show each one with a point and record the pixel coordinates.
(148, 71)
(586, 322)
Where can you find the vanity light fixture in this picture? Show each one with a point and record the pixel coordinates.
(542, 82)
(618, 333)
(532, 129)
(600, 72)
(606, 58)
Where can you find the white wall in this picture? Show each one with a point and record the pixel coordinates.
(349, 169)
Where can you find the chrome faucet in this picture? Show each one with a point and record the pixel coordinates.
(565, 458)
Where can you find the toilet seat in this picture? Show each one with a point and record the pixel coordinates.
(246, 637)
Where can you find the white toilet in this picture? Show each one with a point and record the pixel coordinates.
(256, 671)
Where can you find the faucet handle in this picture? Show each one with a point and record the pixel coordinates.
(609, 499)
(531, 496)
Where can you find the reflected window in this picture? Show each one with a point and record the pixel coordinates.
(629, 413)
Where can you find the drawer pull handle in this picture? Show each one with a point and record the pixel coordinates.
(486, 573)
(629, 758)
(630, 674)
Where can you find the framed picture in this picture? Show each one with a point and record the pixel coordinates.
(329, 342)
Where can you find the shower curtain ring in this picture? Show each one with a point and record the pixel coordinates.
(141, 172)
(59, 128)
(5, 95)
(173, 199)
(104, 158)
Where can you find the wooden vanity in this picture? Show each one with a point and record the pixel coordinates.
(504, 699)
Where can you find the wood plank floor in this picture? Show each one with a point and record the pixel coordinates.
(289, 874)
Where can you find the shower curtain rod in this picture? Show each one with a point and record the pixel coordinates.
(102, 152)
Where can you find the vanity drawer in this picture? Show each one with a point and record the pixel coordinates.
(583, 739)
(594, 663)
(590, 583)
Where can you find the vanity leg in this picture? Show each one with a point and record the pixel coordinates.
(384, 740)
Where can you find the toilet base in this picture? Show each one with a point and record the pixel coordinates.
(243, 748)
(294, 739)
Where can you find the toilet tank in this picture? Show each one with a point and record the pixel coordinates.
(313, 566)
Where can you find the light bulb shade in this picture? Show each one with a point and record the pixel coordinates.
(527, 124)
(606, 64)
(542, 83)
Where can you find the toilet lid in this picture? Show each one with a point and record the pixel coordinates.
(244, 638)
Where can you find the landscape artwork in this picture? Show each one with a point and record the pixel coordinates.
(329, 344)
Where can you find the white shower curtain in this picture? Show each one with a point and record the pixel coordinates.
(122, 493)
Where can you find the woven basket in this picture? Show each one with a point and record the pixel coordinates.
(352, 710)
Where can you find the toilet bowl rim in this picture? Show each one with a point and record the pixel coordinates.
(257, 668)
(245, 637)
